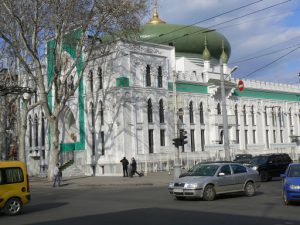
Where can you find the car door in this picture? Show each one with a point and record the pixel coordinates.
(239, 176)
(224, 180)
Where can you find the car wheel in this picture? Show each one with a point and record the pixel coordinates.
(264, 176)
(209, 193)
(249, 189)
(285, 200)
(179, 197)
(13, 207)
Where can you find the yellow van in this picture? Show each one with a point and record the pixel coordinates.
(14, 187)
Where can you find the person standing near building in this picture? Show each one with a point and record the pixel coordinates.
(133, 168)
(125, 163)
(57, 176)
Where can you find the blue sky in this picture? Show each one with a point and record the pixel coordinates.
(268, 31)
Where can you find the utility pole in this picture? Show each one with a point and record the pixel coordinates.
(224, 114)
(177, 165)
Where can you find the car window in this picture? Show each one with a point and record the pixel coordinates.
(238, 169)
(294, 171)
(203, 170)
(12, 175)
(258, 160)
(225, 169)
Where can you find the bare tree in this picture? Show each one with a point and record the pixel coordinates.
(27, 25)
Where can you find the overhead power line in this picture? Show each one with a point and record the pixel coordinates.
(236, 18)
(248, 75)
(266, 54)
(201, 21)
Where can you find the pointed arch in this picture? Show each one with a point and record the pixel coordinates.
(159, 78)
(161, 111)
(100, 77)
(219, 112)
(150, 111)
(148, 76)
(36, 130)
(201, 113)
(191, 112)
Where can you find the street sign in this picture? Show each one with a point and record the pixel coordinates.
(241, 85)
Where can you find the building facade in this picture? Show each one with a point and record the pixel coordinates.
(125, 107)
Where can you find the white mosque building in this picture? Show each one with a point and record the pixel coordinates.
(125, 107)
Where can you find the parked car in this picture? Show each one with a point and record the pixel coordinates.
(206, 180)
(270, 165)
(14, 187)
(291, 183)
(243, 158)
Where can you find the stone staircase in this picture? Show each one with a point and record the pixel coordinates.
(72, 171)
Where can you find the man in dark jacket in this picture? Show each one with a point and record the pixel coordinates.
(125, 163)
(133, 168)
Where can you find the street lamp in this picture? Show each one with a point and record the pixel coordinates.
(224, 110)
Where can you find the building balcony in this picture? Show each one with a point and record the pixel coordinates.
(218, 120)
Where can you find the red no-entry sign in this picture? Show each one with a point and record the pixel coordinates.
(241, 85)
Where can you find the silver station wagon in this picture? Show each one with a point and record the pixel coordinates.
(206, 180)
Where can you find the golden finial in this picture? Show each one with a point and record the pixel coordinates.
(155, 17)
(224, 56)
(206, 53)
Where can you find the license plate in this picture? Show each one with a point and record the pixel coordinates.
(178, 190)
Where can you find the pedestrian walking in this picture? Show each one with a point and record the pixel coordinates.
(133, 168)
(57, 176)
(125, 163)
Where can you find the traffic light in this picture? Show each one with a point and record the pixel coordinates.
(183, 136)
(176, 142)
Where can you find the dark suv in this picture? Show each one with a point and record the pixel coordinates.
(270, 165)
(243, 158)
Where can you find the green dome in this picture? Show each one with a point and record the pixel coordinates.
(187, 40)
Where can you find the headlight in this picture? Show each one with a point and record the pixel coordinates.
(294, 187)
(254, 167)
(191, 185)
(171, 185)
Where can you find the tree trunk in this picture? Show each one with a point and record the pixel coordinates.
(54, 147)
(22, 131)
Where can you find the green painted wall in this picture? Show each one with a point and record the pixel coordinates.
(69, 45)
(187, 87)
(275, 95)
(122, 82)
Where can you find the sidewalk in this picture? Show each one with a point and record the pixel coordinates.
(158, 179)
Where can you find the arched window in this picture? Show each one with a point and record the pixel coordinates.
(273, 117)
(91, 79)
(201, 113)
(30, 132)
(101, 113)
(245, 114)
(280, 117)
(150, 111)
(252, 115)
(36, 130)
(161, 111)
(290, 117)
(43, 130)
(35, 97)
(219, 109)
(159, 78)
(191, 110)
(236, 114)
(100, 77)
(266, 115)
(148, 77)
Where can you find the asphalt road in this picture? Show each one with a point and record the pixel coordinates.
(152, 205)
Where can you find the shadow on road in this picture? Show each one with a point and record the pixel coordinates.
(41, 207)
(151, 216)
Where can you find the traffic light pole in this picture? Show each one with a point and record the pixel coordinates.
(177, 166)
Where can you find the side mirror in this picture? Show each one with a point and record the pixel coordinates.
(283, 176)
(221, 174)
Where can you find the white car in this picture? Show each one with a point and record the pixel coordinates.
(206, 180)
